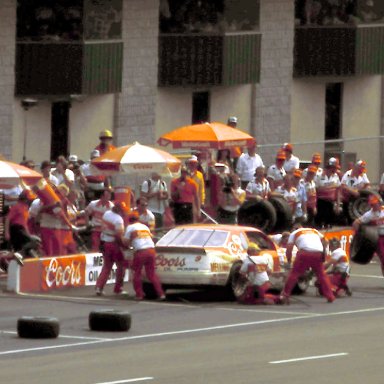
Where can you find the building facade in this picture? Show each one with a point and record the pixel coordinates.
(69, 69)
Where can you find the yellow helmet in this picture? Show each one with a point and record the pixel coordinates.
(105, 134)
(253, 247)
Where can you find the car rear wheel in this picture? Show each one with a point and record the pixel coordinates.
(236, 282)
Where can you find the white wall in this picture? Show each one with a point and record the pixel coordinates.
(361, 118)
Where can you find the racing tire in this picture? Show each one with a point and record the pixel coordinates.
(260, 214)
(364, 244)
(109, 320)
(301, 286)
(284, 217)
(236, 284)
(358, 206)
(29, 327)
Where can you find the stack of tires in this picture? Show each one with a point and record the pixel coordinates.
(271, 216)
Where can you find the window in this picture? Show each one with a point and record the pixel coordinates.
(333, 108)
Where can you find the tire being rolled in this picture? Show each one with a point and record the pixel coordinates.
(364, 244)
(109, 320)
(30, 327)
(260, 214)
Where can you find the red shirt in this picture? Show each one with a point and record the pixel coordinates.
(187, 190)
(18, 214)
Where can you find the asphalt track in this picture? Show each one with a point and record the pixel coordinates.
(199, 337)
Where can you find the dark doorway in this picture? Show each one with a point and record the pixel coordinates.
(200, 107)
(59, 129)
(333, 110)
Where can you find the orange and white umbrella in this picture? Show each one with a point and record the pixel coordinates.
(207, 135)
(137, 158)
(12, 174)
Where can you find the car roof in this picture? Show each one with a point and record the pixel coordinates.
(224, 227)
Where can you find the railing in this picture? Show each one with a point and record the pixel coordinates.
(342, 50)
(209, 59)
(60, 68)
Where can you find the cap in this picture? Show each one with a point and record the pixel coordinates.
(361, 163)
(232, 119)
(122, 206)
(374, 199)
(133, 216)
(281, 155)
(312, 168)
(73, 158)
(316, 158)
(253, 247)
(193, 159)
(287, 147)
(95, 153)
(297, 172)
(332, 162)
(106, 134)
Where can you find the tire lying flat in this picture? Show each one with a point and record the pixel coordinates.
(109, 320)
(364, 244)
(30, 327)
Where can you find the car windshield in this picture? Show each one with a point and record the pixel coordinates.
(194, 238)
(260, 240)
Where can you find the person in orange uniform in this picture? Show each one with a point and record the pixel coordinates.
(139, 237)
(186, 202)
(95, 211)
(310, 245)
(105, 144)
(16, 221)
(197, 177)
(111, 237)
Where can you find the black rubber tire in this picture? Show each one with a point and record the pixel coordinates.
(284, 217)
(260, 214)
(302, 284)
(149, 291)
(358, 206)
(235, 281)
(30, 327)
(109, 320)
(364, 244)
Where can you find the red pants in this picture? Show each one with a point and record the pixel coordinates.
(145, 258)
(339, 281)
(304, 261)
(112, 254)
(51, 241)
(262, 296)
(95, 238)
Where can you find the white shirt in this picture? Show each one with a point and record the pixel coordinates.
(96, 210)
(50, 220)
(306, 239)
(154, 203)
(246, 166)
(112, 224)
(291, 164)
(11, 193)
(256, 268)
(60, 178)
(276, 174)
(373, 217)
(340, 257)
(357, 182)
(94, 178)
(140, 236)
(256, 188)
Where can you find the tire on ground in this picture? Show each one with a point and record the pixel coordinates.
(358, 206)
(109, 320)
(260, 214)
(284, 216)
(31, 327)
(364, 244)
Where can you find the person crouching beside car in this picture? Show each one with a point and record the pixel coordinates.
(255, 269)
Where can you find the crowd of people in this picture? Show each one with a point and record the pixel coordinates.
(221, 185)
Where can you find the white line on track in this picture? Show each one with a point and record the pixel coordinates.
(368, 276)
(128, 380)
(65, 336)
(309, 358)
(257, 310)
(190, 331)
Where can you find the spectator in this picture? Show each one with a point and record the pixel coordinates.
(247, 164)
(235, 152)
(105, 144)
(276, 172)
(231, 197)
(139, 237)
(63, 174)
(186, 202)
(197, 177)
(310, 188)
(155, 190)
(145, 215)
(300, 214)
(292, 162)
(258, 188)
(46, 172)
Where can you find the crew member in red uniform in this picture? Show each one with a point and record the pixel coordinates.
(95, 211)
(105, 144)
(139, 237)
(111, 237)
(310, 245)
